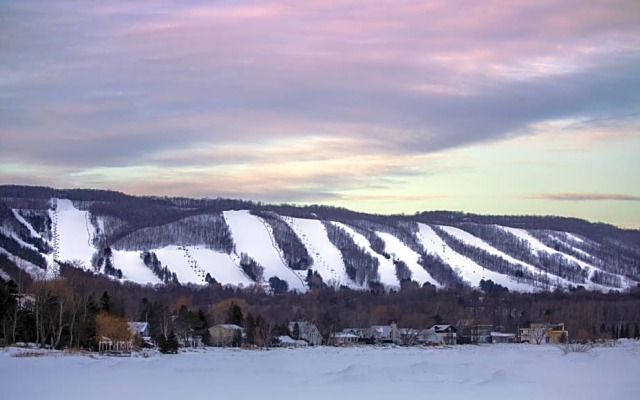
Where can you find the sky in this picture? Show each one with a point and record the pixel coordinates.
(492, 107)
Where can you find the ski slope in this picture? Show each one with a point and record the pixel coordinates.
(133, 268)
(327, 258)
(537, 247)
(73, 233)
(253, 237)
(468, 270)
(400, 251)
(222, 267)
(471, 240)
(386, 269)
(26, 223)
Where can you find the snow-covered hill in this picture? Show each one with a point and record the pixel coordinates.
(155, 241)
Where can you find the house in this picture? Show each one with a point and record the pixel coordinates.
(476, 334)
(139, 328)
(385, 333)
(361, 333)
(306, 331)
(224, 335)
(428, 337)
(500, 337)
(342, 339)
(446, 334)
(288, 341)
(543, 333)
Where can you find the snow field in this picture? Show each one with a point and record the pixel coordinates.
(386, 269)
(327, 259)
(471, 240)
(537, 247)
(468, 270)
(72, 233)
(479, 372)
(252, 236)
(221, 266)
(399, 250)
(133, 268)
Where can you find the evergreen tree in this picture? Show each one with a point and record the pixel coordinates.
(162, 344)
(296, 331)
(172, 343)
(636, 334)
(105, 302)
(250, 329)
(234, 315)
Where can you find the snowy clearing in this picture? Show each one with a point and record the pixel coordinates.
(386, 269)
(471, 240)
(133, 267)
(466, 268)
(252, 236)
(327, 259)
(402, 252)
(73, 232)
(479, 372)
(537, 247)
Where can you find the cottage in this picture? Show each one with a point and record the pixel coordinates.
(342, 339)
(477, 334)
(305, 331)
(500, 337)
(544, 333)
(385, 333)
(288, 341)
(225, 335)
(361, 333)
(428, 337)
(446, 334)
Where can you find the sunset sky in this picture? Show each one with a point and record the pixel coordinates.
(501, 107)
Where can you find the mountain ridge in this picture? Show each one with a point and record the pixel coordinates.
(356, 250)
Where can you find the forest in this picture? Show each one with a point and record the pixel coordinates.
(70, 311)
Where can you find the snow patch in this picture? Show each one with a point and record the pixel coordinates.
(327, 258)
(72, 233)
(467, 269)
(400, 251)
(253, 237)
(386, 269)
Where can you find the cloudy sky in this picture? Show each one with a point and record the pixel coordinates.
(508, 107)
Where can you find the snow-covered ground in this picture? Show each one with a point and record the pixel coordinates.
(402, 252)
(73, 233)
(478, 372)
(327, 259)
(471, 240)
(467, 269)
(133, 268)
(539, 247)
(222, 267)
(252, 236)
(386, 269)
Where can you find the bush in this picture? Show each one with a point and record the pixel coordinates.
(575, 348)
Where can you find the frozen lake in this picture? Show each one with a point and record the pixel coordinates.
(484, 372)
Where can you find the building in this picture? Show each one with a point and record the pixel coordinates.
(500, 337)
(306, 331)
(385, 333)
(428, 337)
(226, 335)
(476, 334)
(288, 341)
(543, 333)
(446, 334)
(342, 339)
